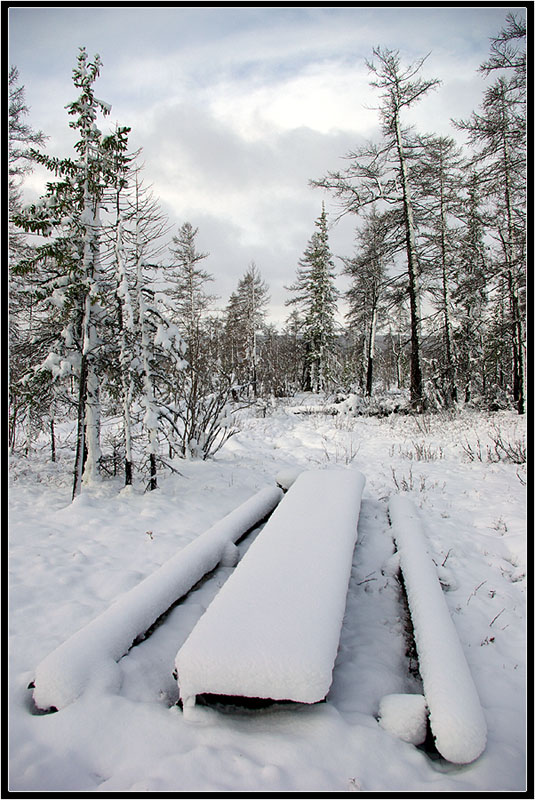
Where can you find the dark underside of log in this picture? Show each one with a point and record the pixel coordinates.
(227, 702)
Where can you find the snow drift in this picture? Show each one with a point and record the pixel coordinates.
(455, 714)
(88, 656)
(273, 629)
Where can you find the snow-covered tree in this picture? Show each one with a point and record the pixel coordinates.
(245, 315)
(68, 216)
(315, 295)
(187, 288)
(22, 300)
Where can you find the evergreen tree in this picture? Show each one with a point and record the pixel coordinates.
(315, 295)
(68, 216)
(245, 315)
(187, 279)
(21, 137)
(23, 354)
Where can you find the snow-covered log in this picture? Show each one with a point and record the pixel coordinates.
(455, 714)
(89, 655)
(273, 630)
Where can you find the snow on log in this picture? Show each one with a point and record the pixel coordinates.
(273, 630)
(88, 656)
(404, 716)
(455, 714)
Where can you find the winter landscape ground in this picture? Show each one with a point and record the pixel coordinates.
(68, 562)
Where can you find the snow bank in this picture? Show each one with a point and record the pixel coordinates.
(88, 656)
(455, 713)
(273, 629)
(404, 716)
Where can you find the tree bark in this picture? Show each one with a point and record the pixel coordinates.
(416, 386)
(80, 456)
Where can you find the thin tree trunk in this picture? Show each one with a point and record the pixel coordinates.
(52, 441)
(417, 399)
(153, 479)
(371, 351)
(80, 456)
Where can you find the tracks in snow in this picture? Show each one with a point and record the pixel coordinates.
(372, 658)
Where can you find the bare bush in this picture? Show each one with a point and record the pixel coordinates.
(512, 451)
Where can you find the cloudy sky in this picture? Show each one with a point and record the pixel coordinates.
(237, 107)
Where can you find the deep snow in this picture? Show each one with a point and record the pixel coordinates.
(273, 629)
(89, 656)
(69, 561)
(455, 713)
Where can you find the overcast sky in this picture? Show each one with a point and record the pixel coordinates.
(237, 108)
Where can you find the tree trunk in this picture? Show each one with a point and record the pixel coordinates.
(417, 399)
(52, 441)
(371, 351)
(80, 431)
(153, 479)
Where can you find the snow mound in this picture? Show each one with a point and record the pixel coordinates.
(273, 629)
(87, 658)
(455, 714)
(286, 477)
(404, 716)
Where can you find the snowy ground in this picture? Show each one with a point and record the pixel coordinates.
(69, 561)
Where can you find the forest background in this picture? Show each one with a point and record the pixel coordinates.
(112, 313)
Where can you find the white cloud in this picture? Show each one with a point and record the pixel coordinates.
(237, 108)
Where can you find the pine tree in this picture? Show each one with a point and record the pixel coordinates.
(315, 295)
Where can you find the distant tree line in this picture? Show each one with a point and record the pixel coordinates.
(111, 314)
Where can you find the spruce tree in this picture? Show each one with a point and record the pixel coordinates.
(245, 315)
(315, 295)
(68, 217)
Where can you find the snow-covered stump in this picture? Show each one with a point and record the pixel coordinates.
(88, 656)
(455, 714)
(273, 630)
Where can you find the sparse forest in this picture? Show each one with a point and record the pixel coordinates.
(111, 314)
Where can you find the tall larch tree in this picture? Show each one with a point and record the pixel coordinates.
(381, 172)
(498, 134)
(369, 278)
